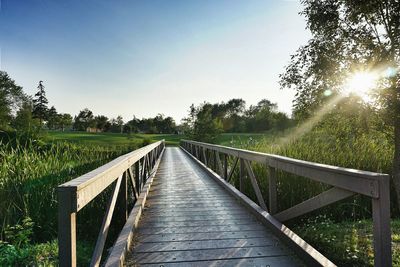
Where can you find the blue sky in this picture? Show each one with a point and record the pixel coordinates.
(147, 57)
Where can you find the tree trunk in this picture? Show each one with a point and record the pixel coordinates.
(396, 161)
(396, 157)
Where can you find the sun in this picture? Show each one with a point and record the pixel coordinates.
(361, 84)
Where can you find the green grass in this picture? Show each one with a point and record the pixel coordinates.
(117, 139)
(240, 139)
(29, 175)
(346, 243)
(341, 231)
(113, 139)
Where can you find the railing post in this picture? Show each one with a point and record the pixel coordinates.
(66, 228)
(215, 160)
(381, 225)
(272, 190)
(225, 166)
(137, 176)
(241, 174)
(122, 201)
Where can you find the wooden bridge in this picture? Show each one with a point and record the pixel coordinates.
(187, 213)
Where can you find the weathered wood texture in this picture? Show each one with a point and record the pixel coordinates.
(344, 183)
(77, 193)
(189, 220)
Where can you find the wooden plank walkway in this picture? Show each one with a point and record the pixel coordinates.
(189, 220)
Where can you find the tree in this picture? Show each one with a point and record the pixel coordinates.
(23, 120)
(164, 124)
(260, 117)
(102, 122)
(348, 36)
(84, 120)
(52, 118)
(40, 104)
(235, 106)
(120, 123)
(11, 98)
(205, 127)
(132, 126)
(64, 121)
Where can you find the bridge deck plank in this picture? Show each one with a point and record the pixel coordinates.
(189, 220)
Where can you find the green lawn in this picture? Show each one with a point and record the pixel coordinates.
(117, 139)
(113, 139)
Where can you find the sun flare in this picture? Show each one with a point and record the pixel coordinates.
(361, 84)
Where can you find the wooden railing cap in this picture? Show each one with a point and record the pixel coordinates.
(269, 158)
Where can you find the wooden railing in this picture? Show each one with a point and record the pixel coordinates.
(345, 183)
(133, 168)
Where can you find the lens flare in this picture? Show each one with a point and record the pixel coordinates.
(361, 84)
(390, 72)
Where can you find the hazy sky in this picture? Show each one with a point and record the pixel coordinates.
(147, 57)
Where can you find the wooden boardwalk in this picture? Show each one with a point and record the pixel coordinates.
(189, 220)
(188, 212)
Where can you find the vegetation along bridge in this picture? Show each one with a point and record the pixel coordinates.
(186, 212)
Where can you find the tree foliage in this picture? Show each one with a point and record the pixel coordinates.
(11, 99)
(159, 124)
(84, 120)
(40, 109)
(207, 120)
(349, 36)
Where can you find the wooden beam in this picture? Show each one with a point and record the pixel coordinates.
(256, 188)
(362, 182)
(117, 255)
(361, 185)
(89, 185)
(122, 200)
(225, 167)
(232, 170)
(328, 197)
(219, 164)
(144, 166)
(310, 255)
(133, 182)
(241, 174)
(101, 239)
(204, 155)
(381, 226)
(137, 176)
(66, 229)
(272, 191)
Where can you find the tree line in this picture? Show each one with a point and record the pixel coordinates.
(160, 124)
(19, 111)
(27, 113)
(205, 121)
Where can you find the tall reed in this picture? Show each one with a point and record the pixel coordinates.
(371, 151)
(30, 174)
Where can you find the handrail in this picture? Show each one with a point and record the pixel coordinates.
(345, 182)
(77, 193)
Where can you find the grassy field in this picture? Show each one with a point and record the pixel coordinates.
(111, 139)
(117, 139)
(28, 176)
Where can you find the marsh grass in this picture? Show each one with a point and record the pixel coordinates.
(30, 174)
(341, 231)
(370, 152)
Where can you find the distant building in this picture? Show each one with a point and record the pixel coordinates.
(93, 130)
